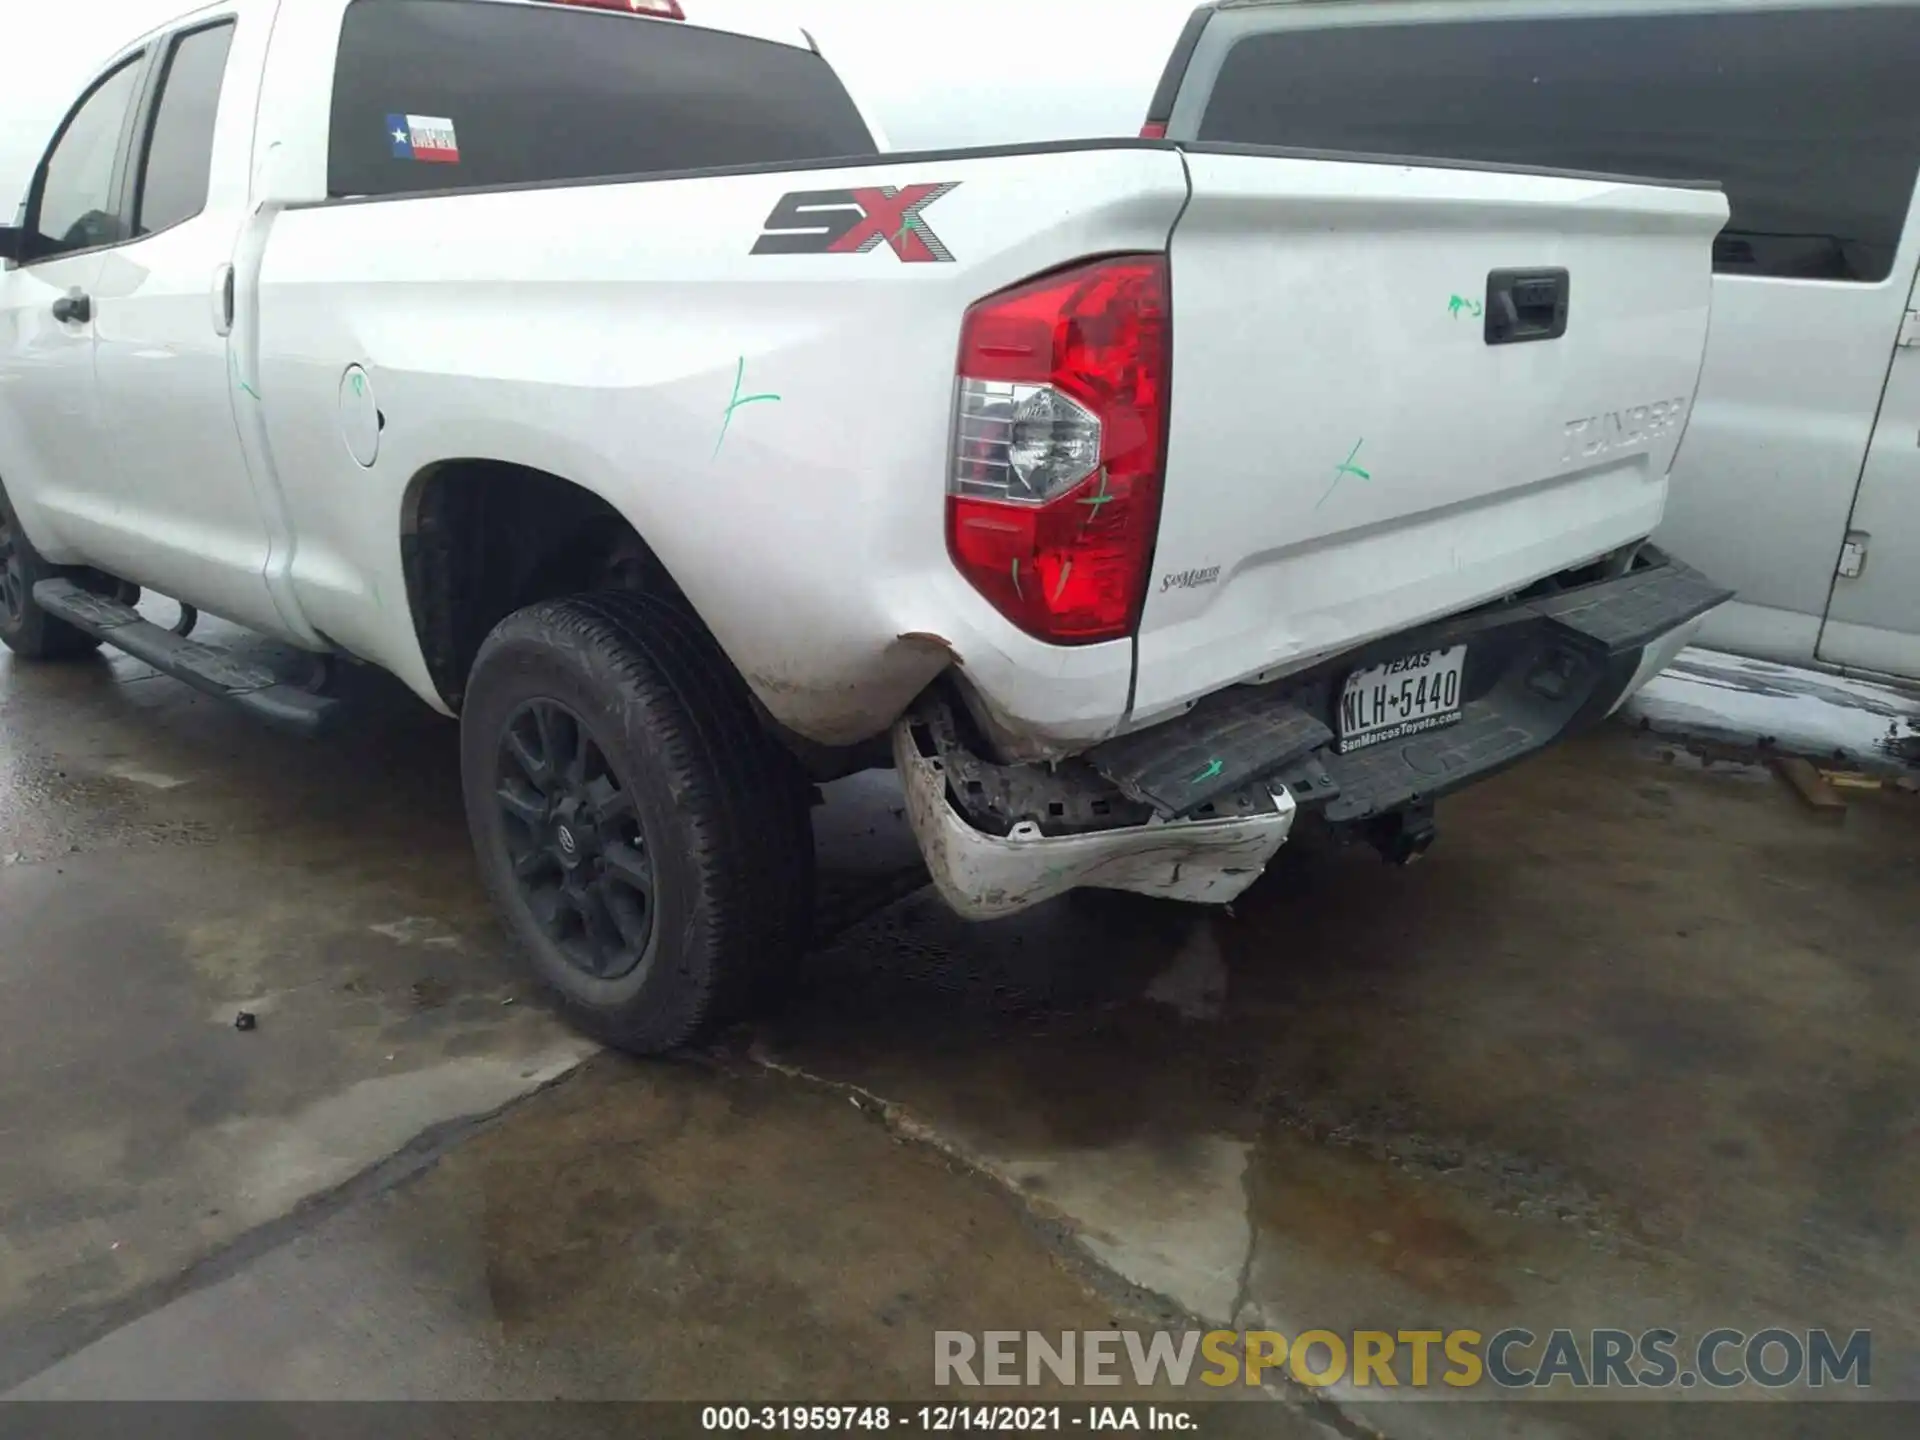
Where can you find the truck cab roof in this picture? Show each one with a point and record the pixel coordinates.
(733, 17)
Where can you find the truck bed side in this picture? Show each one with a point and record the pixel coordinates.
(775, 425)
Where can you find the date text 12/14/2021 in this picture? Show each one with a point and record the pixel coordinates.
(944, 1419)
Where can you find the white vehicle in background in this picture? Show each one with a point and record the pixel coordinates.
(1799, 485)
(593, 374)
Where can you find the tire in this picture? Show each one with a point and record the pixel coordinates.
(26, 629)
(678, 774)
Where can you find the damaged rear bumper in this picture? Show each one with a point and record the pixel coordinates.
(1194, 808)
(983, 875)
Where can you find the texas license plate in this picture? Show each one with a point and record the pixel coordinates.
(1402, 697)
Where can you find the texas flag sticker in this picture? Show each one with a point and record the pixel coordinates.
(423, 137)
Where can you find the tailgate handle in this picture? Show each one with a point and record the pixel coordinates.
(1525, 305)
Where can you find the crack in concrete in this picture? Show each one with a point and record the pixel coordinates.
(901, 1122)
(757, 1054)
(1245, 1282)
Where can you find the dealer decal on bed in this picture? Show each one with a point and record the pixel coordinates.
(1190, 579)
(423, 137)
(854, 222)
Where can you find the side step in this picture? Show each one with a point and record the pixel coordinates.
(206, 669)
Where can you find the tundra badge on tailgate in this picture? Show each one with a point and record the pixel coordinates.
(853, 222)
(1596, 435)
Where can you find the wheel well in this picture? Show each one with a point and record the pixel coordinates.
(481, 539)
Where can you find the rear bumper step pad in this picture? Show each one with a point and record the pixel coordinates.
(1223, 744)
(1537, 670)
(207, 669)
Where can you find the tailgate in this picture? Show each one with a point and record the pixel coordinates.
(1365, 436)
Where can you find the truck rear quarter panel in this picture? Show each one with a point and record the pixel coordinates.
(775, 425)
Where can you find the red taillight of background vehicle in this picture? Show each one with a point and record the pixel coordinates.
(1054, 495)
(1154, 130)
(658, 9)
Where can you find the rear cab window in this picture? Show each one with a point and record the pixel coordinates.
(454, 94)
(177, 163)
(1809, 118)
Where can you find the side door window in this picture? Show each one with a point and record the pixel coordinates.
(74, 205)
(178, 159)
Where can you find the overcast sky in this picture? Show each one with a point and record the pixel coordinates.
(937, 72)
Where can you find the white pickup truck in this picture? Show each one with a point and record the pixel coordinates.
(599, 376)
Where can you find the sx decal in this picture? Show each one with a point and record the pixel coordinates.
(853, 222)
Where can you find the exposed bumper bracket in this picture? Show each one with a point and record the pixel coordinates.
(983, 876)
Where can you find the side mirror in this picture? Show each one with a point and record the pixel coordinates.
(12, 242)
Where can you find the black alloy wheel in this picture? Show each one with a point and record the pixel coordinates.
(580, 856)
(647, 840)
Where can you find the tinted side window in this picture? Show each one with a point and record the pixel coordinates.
(1810, 119)
(448, 94)
(179, 158)
(77, 208)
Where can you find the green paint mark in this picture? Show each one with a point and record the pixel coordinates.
(1061, 588)
(1344, 469)
(359, 383)
(238, 379)
(1016, 578)
(1461, 302)
(1094, 502)
(726, 422)
(910, 225)
(1207, 774)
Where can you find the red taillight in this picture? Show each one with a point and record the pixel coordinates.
(1154, 130)
(659, 9)
(1054, 494)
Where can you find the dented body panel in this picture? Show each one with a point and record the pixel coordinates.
(1182, 809)
(984, 876)
(774, 425)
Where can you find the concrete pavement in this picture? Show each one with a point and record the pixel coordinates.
(1631, 1047)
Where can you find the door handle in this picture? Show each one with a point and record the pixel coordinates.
(73, 308)
(1525, 305)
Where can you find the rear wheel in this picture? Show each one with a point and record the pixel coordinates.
(648, 842)
(25, 628)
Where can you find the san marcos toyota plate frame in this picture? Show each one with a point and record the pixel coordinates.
(1409, 695)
